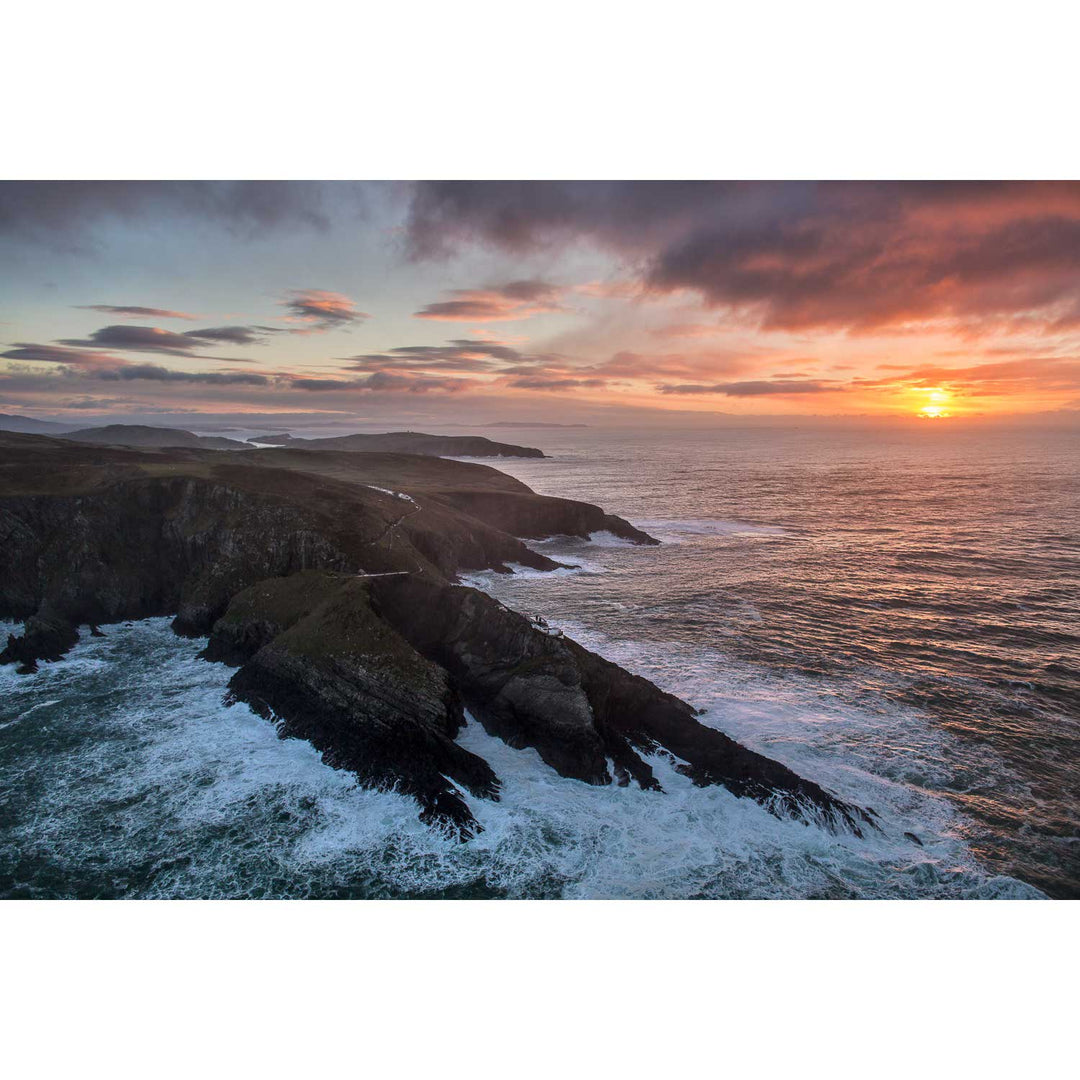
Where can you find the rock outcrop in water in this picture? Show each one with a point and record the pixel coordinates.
(375, 672)
(318, 659)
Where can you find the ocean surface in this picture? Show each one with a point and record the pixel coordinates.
(893, 614)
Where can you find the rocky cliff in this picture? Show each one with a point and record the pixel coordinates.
(375, 672)
(96, 534)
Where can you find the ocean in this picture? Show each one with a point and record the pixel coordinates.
(895, 614)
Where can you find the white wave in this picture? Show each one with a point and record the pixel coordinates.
(489, 580)
(203, 800)
(603, 538)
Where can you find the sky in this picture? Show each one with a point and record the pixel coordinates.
(472, 302)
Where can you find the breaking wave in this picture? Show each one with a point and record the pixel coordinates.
(113, 789)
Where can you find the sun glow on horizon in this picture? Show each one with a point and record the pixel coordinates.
(935, 409)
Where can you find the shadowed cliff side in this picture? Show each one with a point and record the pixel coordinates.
(97, 534)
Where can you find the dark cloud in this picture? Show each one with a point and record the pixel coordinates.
(496, 303)
(135, 312)
(842, 255)
(320, 310)
(524, 215)
(157, 373)
(555, 383)
(753, 388)
(64, 213)
(461, 354)
(55, 354)
(234, 335)
(152, 339)
(102, 365)
(383, 382)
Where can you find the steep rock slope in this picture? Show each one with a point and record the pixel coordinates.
(375, 671)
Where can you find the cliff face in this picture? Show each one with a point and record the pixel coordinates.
(94, 535)
(151, 546)
(375, 672)
(529, 517)
(319, 661)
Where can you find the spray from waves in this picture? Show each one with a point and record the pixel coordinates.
(867, 749)
(131, 778)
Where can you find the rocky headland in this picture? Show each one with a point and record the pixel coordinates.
(410, 442)
(329, 579)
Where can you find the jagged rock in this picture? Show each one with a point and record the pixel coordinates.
(578, 709)
(266, 546)
(317, 659)
(374, 672)
(525, 516)
(47, 635)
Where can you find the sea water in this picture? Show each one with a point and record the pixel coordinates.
(894, 616)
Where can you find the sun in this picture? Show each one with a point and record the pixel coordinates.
(935, 409)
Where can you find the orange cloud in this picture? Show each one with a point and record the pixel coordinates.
(500, 303)
(321, 310)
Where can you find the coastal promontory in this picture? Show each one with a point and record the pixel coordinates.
(330, 579)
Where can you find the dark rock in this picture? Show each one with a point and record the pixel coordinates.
(578, 709)
(524, 515)
(317, 660)
(47, 635)
(913, 838)
(96, 631)
(107, 534)
(375, 672)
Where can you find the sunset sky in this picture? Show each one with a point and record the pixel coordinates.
(472, 302)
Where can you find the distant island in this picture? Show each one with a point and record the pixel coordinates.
(328, 579)
(409, 442)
